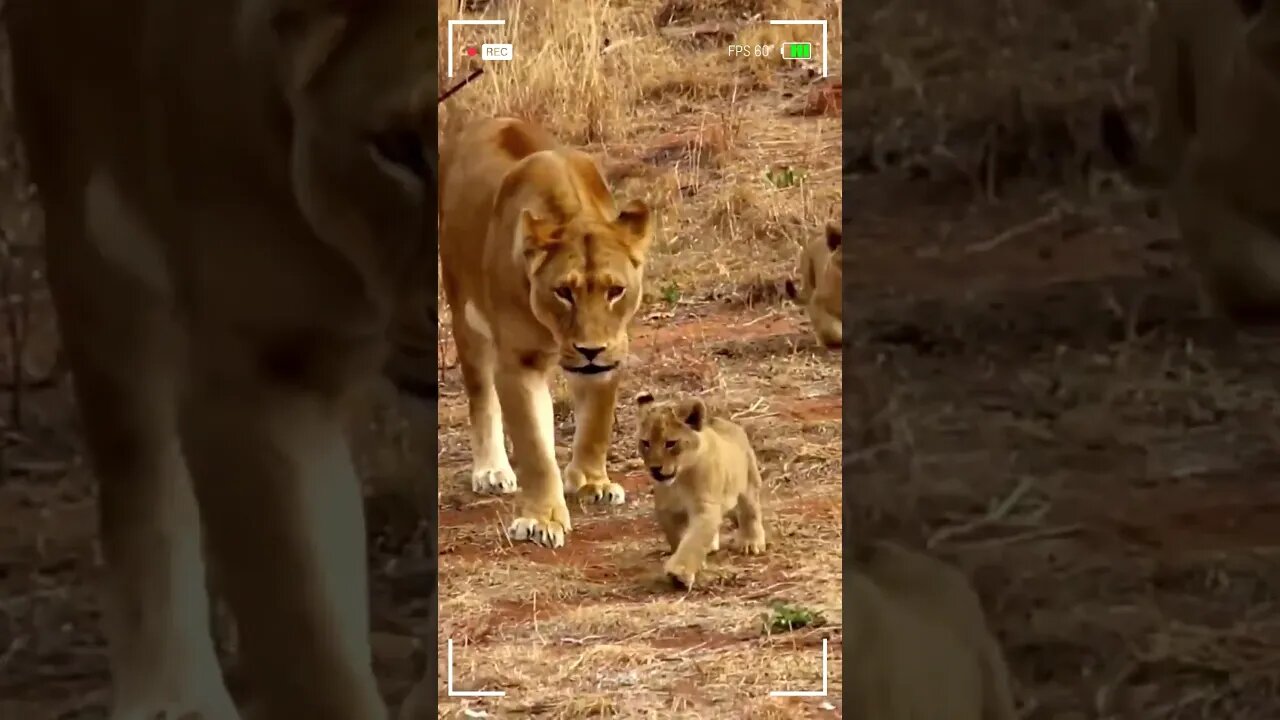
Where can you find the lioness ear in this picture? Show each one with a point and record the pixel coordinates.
(307, 33)
(835, 235)
(636, 218)
(694, 413)
(644, 398)
(535, 237)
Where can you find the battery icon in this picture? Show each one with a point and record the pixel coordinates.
(797, 50)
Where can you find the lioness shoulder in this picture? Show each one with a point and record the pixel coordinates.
(703, 470)
(920, 643)
(1214, 68)
(821, 274)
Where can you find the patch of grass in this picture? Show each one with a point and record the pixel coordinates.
(784, 176)
(786, 617)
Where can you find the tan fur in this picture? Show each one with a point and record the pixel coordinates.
(1216, 74)
(821, 271)
(919, 642)
(704, 470)
(234, 195)
(540, 269)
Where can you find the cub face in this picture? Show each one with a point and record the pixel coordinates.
(669, 435)
(586, 283)
(357, 96)
(821, 281)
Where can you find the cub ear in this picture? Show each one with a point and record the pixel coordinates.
(535, 237)
(644, 398)
(637, 220)
(694, 413)
(835, 235)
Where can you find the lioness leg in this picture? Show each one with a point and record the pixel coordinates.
(490, 467)
(1237, 260)
(279, 496)
(121, 348)
(543, 516)
(587, 474)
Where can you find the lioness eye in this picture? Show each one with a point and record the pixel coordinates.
(671, 444)
(565, 294)
(402, 148)
(644, 444)
(616, 292)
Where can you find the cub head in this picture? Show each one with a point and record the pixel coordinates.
(821, 280)
(352, 83)
(670, 434)
(585, 283)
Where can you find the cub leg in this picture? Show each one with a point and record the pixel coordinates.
(673, 525)
(703, 531)
(281, 503)
(121, 347)
(543, 516)
(594, 402)
(491, 471)
(751, 538)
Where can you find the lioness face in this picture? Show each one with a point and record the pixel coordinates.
(669, 435)
(586, 284)
(355, 78)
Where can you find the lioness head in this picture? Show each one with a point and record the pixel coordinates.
(670, 434)
(353, 78)
(585, 283)
(821, 278)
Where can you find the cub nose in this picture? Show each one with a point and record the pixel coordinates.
(589, 353)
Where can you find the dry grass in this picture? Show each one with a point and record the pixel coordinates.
(592, 629)
(1043, 404)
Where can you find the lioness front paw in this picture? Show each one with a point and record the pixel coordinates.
(493, 481)
(542, 527)
(750, 543)
(593, 487)
(681, 572)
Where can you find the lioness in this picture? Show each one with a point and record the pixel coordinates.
(1216, 71)
(540, 269)
(919, 641)
(703, 469)
(236, 199)
(821, 275)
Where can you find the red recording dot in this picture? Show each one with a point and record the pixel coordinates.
(471, 51)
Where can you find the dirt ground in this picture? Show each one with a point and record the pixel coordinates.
(1031, 393)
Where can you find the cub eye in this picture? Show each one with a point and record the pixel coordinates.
(671, 444)
(615, 292)
(565, 293)
(402, 149)
(644, 444)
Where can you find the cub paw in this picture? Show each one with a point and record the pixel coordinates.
(594, 488)
(541, 527)
(493, 481)
(715, 543)
(681, 573)
(750, 544)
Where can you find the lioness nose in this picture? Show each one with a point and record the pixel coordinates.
(589, 353)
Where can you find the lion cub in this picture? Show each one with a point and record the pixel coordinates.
(821, 276)
(921, 647)
(703, 469)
